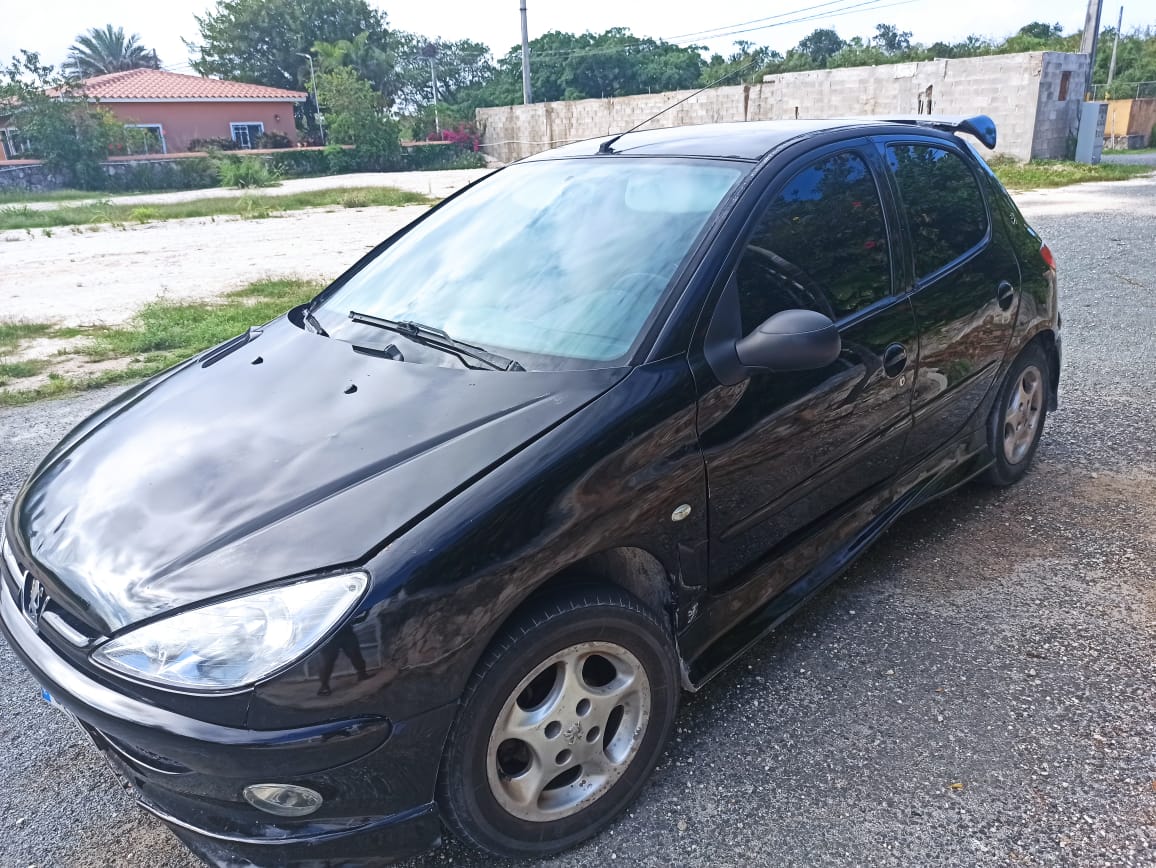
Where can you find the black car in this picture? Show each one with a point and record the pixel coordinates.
(444, 545)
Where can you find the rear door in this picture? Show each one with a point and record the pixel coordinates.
(786, 450)
(963, 281)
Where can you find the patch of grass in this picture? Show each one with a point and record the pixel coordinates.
(17, 370)
(164, 333)
(10, 371)
(13, 332)
(354, 199)
(1151, 150)
(16, 197)
(250, 205)
(1059, 173)
(58, 386)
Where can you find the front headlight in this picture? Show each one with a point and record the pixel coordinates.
(232, 644)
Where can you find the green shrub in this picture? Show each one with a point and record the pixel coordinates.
(434, 157)
(246, 172)
(293, 163)
(186, 174)
(213, 144)
(273, 140)
(144, 215)
(343, 161)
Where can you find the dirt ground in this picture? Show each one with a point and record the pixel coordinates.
(77, 276)
(976, 691)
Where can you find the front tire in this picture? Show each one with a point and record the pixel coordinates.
(1017, 419)
(560, 726)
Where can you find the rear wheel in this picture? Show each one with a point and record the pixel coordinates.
(1017, 419)
(560, 726)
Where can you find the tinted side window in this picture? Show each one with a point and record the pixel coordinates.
(942, 201)
(820, 245)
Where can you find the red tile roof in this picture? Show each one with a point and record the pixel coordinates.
(157, 84)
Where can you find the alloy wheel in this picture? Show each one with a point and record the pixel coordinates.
(568, 731)
(1022, 415)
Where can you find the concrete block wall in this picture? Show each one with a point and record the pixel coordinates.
(1056, 119)
(1007, 87)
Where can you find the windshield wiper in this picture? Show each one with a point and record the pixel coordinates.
(439, 340)
(314, 324)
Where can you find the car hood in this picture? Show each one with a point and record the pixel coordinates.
(288, 454)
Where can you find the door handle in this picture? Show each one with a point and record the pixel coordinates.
(894, 360)
(1005, 294)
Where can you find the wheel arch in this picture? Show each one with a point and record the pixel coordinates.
(1046, 338)
(630, 568)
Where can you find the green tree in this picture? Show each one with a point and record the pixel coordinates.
(754, 60)
(101, 50)
(71, 135)
(579, 66)
(1040, 30)
(463, 68)
(819, 46)
(891, 40)
(353, 116)
(374, 64)
(261, 41)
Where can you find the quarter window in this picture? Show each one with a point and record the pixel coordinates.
(821, 245)
(942, 202)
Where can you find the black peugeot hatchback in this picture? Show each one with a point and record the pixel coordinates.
(444, 545)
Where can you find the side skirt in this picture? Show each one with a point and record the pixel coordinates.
(952, 468)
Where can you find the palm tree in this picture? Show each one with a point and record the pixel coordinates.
(104, 50)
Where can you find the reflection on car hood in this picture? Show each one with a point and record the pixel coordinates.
(290, 454)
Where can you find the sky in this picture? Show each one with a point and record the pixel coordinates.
(50, 26)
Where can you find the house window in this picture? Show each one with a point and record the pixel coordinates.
(14, 144)
(1065, 80)
(145, 139)
(246, 134)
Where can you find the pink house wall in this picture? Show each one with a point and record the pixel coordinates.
(184, 121)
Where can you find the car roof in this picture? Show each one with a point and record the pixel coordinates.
(752, 140)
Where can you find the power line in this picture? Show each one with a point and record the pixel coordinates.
(663, 42)
(704, 34)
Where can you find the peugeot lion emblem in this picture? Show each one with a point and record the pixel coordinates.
(34, 600)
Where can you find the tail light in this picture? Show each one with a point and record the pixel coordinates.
(1046, 253)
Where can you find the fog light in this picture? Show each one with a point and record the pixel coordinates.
(284, 800)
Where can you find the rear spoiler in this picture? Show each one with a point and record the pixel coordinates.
(980, 126)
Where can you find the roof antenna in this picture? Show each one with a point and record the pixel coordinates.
(604, 148)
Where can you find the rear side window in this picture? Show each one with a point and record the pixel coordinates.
(821, 244)
(941, 199)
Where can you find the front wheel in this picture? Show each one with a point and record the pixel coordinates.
(561, 724)
(1017, 419)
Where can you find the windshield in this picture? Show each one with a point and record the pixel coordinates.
(563, 259)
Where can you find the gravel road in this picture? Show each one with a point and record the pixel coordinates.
(978, 690)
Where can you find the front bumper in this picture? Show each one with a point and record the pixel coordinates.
(377, 776)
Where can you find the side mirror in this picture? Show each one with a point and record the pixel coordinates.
(793, 340)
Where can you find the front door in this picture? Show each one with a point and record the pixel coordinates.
(965, 293)
(784, 451)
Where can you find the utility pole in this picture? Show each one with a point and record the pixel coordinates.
(1091, 37)
(1115, 45)
(316, 99)
(433, 77)
(527, 93)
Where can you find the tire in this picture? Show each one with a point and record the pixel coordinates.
(1017, 418)
(590, 677)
